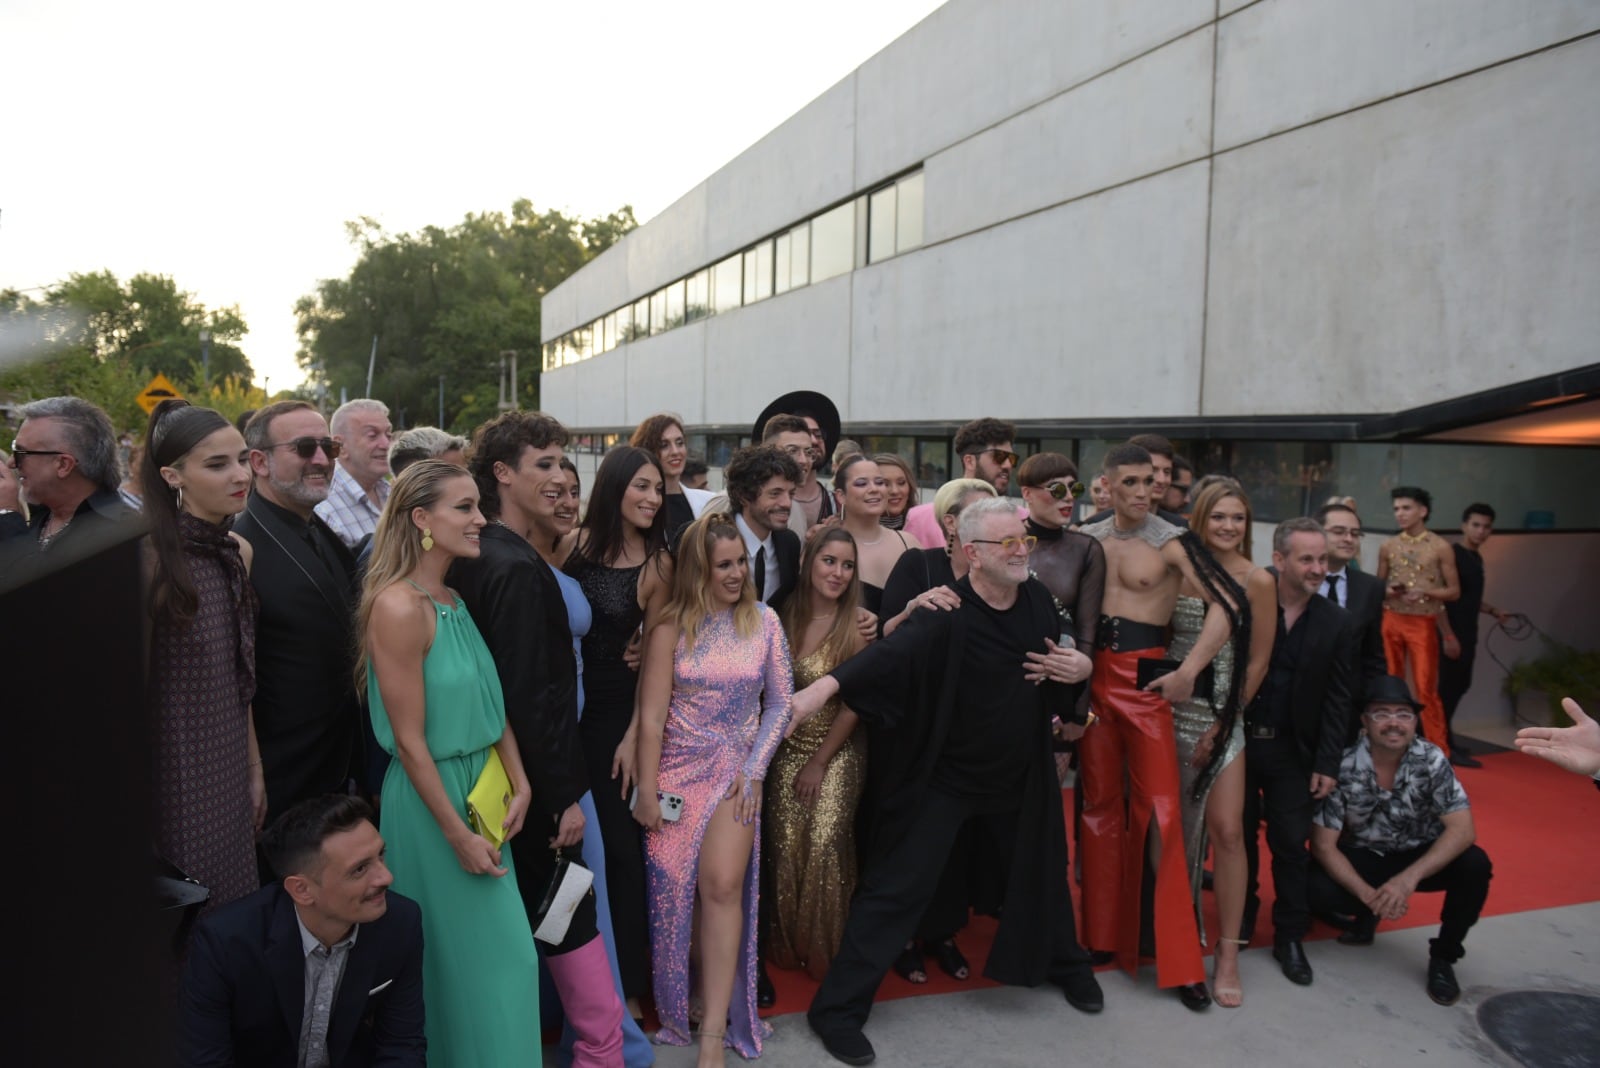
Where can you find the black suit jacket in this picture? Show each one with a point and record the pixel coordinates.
(306, 712)
(244, 989)
(787, 544)
(1324, 686)
(1364, 602)
(515, 600)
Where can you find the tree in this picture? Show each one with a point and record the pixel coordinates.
(445, 302)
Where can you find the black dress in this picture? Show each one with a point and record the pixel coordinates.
(609, 686)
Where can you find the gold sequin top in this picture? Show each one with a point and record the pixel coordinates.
(1414, 563)
(808, 737)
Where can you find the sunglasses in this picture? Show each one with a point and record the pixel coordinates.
(306, 448)
(1008, 545)
(999, 456)
(1062, 490)
(19, 454)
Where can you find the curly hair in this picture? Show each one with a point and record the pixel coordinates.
(984, 432)
(501, 441)
(751, 468)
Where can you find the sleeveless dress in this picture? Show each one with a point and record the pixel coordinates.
(636, 1049)
(1191, 719)
(202, 677)
(609, 685)
(480, 968)
(730, 705)
(812, 867)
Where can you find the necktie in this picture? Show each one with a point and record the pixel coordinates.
(760, 574)
(1333, 588)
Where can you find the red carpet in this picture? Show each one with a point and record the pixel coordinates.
(1540, 826)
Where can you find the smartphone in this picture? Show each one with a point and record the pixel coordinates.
(671, 804)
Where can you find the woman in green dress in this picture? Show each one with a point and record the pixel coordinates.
(437, 708)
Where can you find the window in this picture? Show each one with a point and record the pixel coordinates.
(833, 240)
(641, 319)
(725, 284)
(658, 312)
(800, 256)
(625, 324)
(758, 273)
(908, 214)
(881, 223)
(780, 264)
(698, 298)
(674, 305)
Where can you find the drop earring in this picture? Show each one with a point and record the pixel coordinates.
(427, 539)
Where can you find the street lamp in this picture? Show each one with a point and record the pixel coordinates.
(205, 356)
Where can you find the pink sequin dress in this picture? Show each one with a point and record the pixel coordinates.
(730, 705)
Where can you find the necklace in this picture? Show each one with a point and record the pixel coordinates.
(1126, 535)
(46, 539)
(1413, 539)
(808, 500)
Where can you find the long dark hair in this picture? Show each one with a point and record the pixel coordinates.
(175, 428)
(842, 640)
(601, 538)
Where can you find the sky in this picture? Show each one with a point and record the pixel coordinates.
(226, 145)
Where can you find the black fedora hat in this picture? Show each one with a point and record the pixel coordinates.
(803, 402)
(1390, 690)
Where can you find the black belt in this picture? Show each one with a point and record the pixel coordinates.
(1128, 635)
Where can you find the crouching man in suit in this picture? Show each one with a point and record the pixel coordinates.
(321, 968)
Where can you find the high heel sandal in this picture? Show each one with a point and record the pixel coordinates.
(910, 966)
(1229, 997)
(951, 961)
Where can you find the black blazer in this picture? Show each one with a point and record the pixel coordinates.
(244, 988)
(306, 712)
(1364, 602)
(1324, 686)
(787, 544)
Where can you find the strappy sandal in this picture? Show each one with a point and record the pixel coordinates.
(950, 960)
(1228, 997)
(910, 966)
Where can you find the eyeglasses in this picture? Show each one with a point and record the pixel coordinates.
(1343, 532)
(1392, 717)
(306, 448)
(19, 454)
(1062, 490)
(1001, 457)
(1008, 545)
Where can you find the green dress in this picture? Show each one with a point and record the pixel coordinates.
(479, 967)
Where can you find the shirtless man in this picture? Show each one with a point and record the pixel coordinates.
(1146, 564)
(1418, 569)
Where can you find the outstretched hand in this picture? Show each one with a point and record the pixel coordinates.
(1576, 748)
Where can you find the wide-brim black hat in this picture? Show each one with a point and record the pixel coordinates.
(1390, 690)
(806, 402)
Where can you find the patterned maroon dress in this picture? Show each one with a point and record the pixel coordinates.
(202, 680)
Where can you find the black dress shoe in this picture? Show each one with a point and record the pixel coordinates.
(1442, 985)
(1195, 997)
(1097, 957)
(1083, 992)
(1292, 955)
(1360, 933)
(766, 993)
(851, 1047)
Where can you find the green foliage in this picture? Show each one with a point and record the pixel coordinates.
(446, 302)
(233, 396)
(1563, 671)
(94, 337)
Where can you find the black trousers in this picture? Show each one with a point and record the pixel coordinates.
(894, 893)
(1278, 789)
(1455, 679)
(1464, 881)
(536, 866)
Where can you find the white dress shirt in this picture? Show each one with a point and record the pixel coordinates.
(1343, 598)
(769, 563)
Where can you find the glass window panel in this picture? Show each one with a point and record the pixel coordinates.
(908, 214)
(698, 300)
(861, 231)
(880, 212)
(758, 273)
(624, 324)
(726, 282)
(800, 256)
(780, 264)
(933, 462)
(549, 361)
(609, 326)
(674, 305)
(658, 312)
(833, 238)
(641, 318)
(584, 340)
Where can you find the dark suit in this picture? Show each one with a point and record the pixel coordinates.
(306, 713)
(1364, 601)
(787, 545)
(244, 988)
(101, 520)
(1278, 770)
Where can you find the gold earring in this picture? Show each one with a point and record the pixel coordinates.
(427, 539)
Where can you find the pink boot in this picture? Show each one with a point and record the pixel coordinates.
(583, 979)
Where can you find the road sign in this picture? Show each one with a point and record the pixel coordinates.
(157, 391)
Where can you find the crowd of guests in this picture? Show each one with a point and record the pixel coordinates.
(809, 722)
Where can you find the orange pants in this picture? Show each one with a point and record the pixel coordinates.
(1133, 742)
(1418, 638)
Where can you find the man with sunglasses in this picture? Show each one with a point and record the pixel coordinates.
(65, 460)
(1399, 822)
(985, 448)
(306, 713)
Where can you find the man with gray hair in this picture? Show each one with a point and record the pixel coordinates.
(426, 443)
(970, 694)
(65, 457)
(355, 499)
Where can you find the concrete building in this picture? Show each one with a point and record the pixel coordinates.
(1329, 245)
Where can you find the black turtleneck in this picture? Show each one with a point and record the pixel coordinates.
(1072, 567)
(1044, 533)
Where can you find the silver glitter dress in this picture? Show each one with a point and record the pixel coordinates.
(1191, 719)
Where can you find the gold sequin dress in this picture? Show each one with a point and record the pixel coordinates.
(812, 850)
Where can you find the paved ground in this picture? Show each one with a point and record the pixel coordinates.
(1367, 1007)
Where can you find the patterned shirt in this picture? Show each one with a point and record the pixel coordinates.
(348, 509)
(1404, 817)
(324, 974)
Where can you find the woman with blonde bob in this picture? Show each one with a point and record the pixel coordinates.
(437, 708)
(713, 705)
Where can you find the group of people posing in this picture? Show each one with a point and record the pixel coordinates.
(809, 725)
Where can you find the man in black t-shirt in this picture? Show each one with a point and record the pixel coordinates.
(1458, 623)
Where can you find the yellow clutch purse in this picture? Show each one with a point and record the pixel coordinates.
(490, 800)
